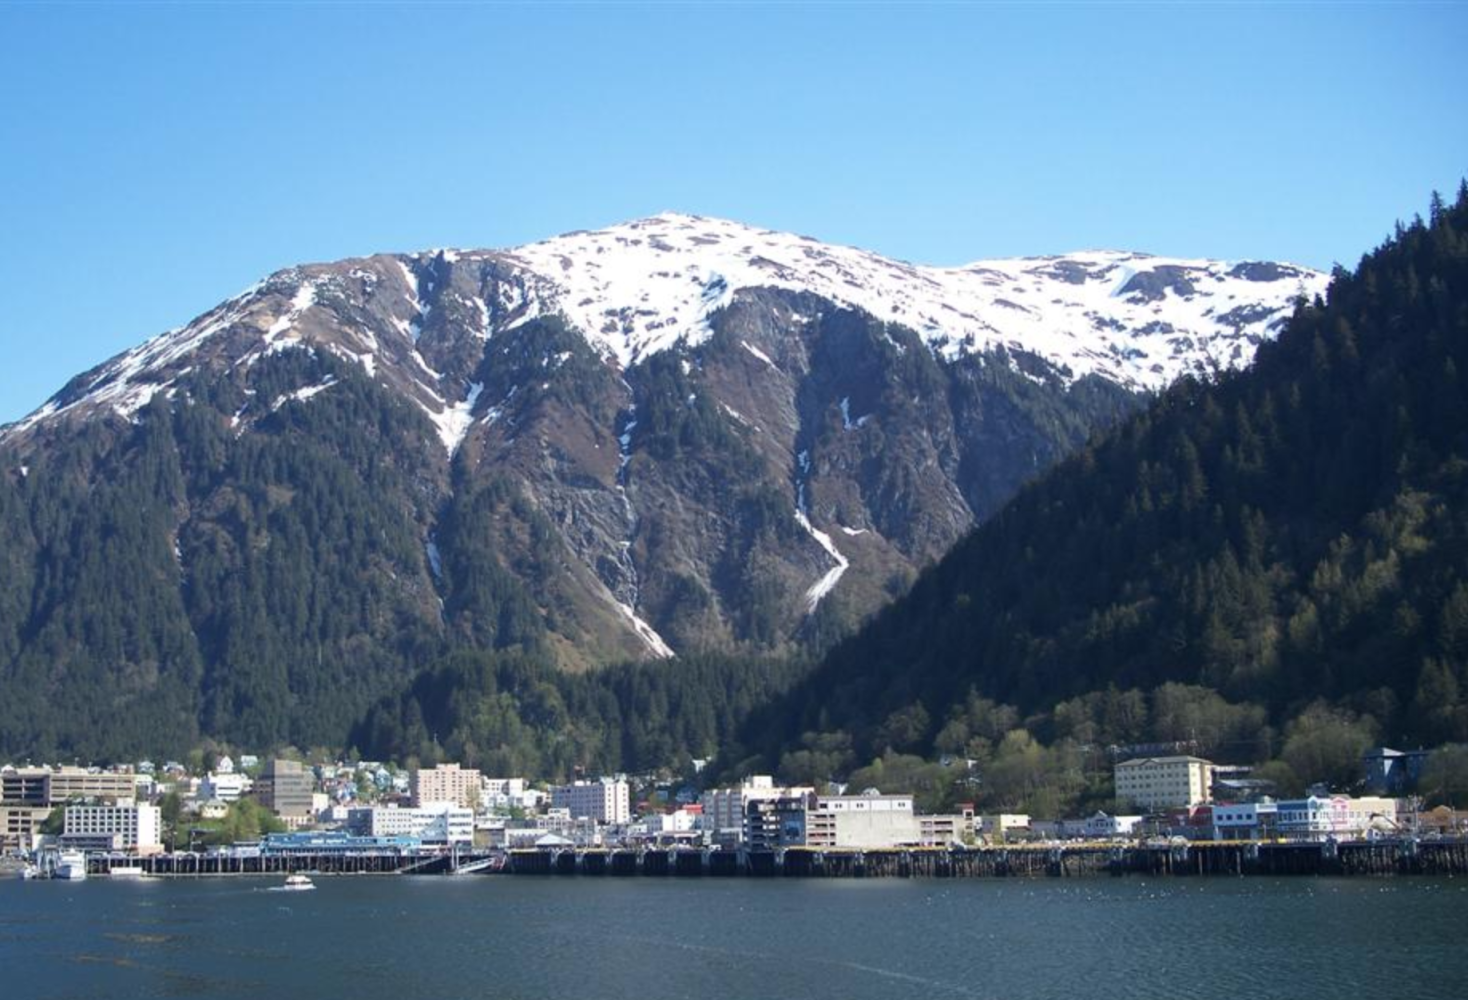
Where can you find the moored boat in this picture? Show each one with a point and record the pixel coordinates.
(70, 865)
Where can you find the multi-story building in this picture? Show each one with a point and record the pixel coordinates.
(724, 808)
(442, 823)
(445, 783)
(1154, 783)
(126, 826)
(942, 830)
(285, 788)
(42, 786)
(19, 825)
(606, 800)
(28, 794)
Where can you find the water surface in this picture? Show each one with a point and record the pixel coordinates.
(364, 938)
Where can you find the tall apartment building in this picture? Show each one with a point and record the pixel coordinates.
(127, 826)
(285, 788)
(1154, 783)
(445, 783)
(606, 800)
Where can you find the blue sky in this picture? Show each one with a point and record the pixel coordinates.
(157, 158)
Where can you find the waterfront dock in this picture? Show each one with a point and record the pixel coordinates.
(1355, 858)
(1382, 857)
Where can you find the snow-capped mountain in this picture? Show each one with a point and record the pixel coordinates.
(672, 435)
(647, 286)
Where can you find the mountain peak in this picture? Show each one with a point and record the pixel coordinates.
(647, 285)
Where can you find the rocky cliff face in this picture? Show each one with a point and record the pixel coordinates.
(675, 434)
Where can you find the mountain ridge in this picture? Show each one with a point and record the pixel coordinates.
(353, 470)
(647, 307)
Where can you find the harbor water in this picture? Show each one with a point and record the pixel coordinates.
(370, 937)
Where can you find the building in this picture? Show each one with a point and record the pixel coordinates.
(285, 788)
(1392, 772)
(19, 826)
(942, 830)
(42, 786)
(1102, 826)
(606, 800)
(443, 823)
(1156, 783)
(445, 783)
(724, 809)
(684, 819)
(28, 794)
(226, 786)
(834, 822)
(1314, 818)
(126, 826)
(998, 828)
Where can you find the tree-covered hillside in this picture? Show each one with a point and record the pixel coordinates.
(1293, 534)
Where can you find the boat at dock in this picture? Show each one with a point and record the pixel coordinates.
(71, 866)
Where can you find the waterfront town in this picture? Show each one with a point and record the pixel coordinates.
(254, 807)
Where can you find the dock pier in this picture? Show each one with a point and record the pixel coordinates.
(1085, 860)
(1232, 858)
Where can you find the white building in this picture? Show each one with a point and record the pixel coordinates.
(846, 822)
(1104, 827)
(1155, 783)
(130, 826)
(680, 821)
(606, 800)
(226, 786)
(442, 823)
(509, 793)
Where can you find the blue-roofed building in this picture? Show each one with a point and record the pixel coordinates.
(336, 842)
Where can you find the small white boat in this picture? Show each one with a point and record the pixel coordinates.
(30, 871)
(127, 871)
(296, 883)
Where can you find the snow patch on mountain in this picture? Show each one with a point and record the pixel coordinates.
(642, 287)
(453, 422)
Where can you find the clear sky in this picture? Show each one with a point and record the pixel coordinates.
(157, 158)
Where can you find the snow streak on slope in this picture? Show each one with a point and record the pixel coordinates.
(1142, 321)
(454, 422)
